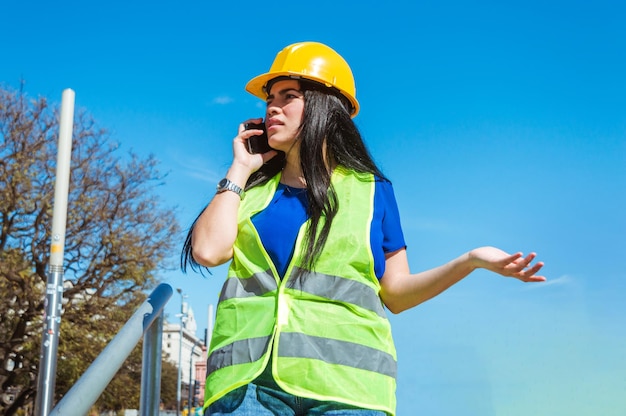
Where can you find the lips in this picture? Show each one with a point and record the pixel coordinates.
(271, 123)
(272, 128)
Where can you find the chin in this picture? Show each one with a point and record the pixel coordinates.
(279, 145)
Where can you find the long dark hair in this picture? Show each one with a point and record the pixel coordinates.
(326, 120)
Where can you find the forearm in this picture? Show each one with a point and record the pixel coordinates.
(401, 290)
(215, 231)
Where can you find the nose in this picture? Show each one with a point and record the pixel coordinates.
(272, 109)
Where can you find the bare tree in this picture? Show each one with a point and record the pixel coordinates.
(118, 238)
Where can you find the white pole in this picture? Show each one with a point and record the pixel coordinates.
(61, 190)
(54, 288)
(209, 326)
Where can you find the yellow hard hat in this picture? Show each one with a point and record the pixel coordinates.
(313, 61)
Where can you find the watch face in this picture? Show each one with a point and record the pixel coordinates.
(226, 185)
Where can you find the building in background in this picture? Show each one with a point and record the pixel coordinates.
(193, 354)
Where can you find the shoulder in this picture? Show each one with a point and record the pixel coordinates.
(384, 187)
(385, 199)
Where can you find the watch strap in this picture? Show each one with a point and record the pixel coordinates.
(227, 185)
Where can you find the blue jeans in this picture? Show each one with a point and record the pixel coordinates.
(264, 397)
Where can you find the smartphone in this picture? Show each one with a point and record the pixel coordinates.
(257, 144)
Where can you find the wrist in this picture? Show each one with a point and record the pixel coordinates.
(238, 174)
(472, 260)
(234, 181)
(226, 184)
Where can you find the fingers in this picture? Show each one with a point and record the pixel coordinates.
(529, 274)
(514, 263)
(245, 134)
(520, 263)
(520, 268)
(242, 126)
(514, 257)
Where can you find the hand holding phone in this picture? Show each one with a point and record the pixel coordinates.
(258, 143)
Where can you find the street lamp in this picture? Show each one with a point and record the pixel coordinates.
(183, 315)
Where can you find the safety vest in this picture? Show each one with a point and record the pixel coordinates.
(327, 330)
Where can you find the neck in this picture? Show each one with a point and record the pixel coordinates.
(292, 172)
(292, 175)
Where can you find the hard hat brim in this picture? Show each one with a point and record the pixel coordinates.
(256, 86)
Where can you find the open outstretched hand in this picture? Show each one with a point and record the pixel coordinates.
(505, 264)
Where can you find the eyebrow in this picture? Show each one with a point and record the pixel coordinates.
(284, 91)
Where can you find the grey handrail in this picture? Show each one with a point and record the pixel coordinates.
(148, 320)
(151, 369)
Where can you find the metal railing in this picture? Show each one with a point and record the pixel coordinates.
(147, 321)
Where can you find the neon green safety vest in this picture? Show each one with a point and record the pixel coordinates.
(327, 331)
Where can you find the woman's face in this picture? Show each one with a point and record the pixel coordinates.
(285, 107)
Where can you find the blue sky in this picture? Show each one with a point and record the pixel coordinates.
(499, 123)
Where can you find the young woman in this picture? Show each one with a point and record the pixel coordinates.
(313, 234)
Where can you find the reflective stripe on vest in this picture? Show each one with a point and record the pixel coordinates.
(340, 289)
(330, 287)
(295, 344)
(257, 285)
(239, 352)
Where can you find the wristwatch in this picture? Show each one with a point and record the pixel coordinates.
(226, 185)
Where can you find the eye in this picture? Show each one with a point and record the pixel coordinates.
(292, 95)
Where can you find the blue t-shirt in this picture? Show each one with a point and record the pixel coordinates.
(279, 223)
